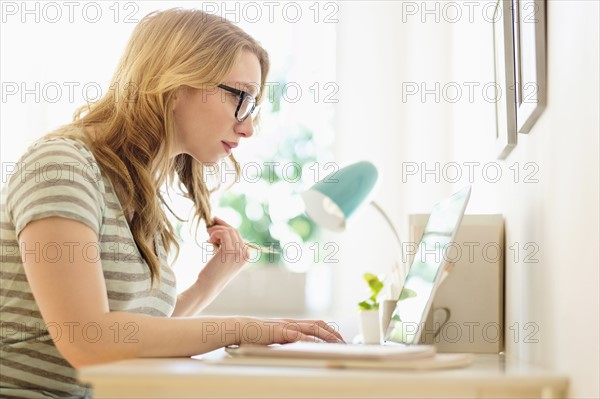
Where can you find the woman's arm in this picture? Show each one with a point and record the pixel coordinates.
(227, 262)
(70, 290)
(198, 296)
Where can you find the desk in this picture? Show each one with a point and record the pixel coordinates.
(490, 376)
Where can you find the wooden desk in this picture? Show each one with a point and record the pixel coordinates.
(490, 376)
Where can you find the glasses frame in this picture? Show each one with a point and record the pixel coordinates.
(243, 95)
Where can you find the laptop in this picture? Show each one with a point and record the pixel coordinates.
(408, 319)
(427, 269)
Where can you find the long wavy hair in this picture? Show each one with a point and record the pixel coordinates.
(134, 124)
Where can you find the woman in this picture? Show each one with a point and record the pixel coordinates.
(84, 277)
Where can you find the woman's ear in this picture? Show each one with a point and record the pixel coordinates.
(177, 96)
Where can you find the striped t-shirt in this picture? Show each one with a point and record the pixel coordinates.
(60, 177)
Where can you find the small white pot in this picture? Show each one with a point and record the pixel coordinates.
(370, 326)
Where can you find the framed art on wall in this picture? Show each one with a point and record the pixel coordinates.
(530, 61)
(504, 75)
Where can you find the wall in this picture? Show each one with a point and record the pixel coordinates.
(376, 54)
(550, 206)
(560, 214)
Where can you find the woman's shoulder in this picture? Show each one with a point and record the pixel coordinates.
(59, 146)
(57, 160)
(56, 176)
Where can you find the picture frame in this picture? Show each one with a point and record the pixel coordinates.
(504, 75)
(529, 18)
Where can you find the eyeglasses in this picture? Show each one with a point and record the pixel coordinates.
(246, 105)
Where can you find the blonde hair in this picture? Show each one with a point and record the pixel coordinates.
(134, 121)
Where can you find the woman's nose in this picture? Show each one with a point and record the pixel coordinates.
(246, 128)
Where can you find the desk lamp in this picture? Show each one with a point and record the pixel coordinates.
(331, 201)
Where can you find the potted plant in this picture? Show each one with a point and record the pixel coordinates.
(375, 286)
(370, 324)
(375, 316)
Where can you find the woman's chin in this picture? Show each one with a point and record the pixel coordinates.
(208, 160)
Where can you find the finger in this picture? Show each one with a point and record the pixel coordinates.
(232, 244)
(224, 226)
(244, 247)
(224, 237)
(219, 238)
(296, 331)
(234, 234)
(214, 236)
(221, 222)
(330, 334)
(319, 332)
(332, 330)
(230, 248)
(321, 323)
(307, 338)
(218, 228)
(292, 332)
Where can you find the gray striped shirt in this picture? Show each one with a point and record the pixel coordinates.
(60, 177)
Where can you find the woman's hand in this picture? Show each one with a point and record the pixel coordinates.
(282, 331)
(232, 254)
(233, 251)
(226, 263)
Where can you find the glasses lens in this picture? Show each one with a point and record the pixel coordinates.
(246, 107)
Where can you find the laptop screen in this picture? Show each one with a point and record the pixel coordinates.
(426, 269)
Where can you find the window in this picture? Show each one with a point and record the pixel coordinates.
(291, 149)
(60, 71)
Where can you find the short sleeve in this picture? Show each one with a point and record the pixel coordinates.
(56, 177)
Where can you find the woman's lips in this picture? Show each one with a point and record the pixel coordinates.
(227, 148)
(229, 145)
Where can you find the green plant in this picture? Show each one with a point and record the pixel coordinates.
(375, 286)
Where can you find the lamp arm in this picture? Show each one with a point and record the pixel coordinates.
(389, 222)
(447, 268)
(396, 235)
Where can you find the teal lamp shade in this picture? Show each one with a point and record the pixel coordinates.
(331, 201)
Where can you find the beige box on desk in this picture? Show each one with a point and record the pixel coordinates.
(471, 299)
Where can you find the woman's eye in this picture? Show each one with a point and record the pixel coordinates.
(234, 98)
